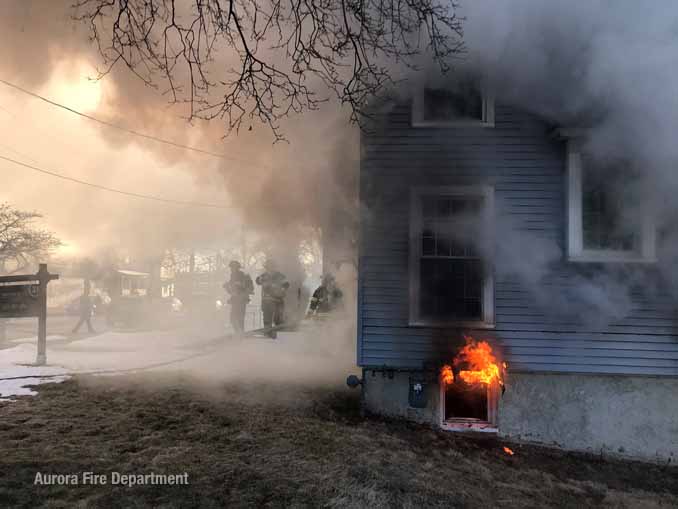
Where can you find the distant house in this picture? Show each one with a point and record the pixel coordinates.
(461, 197)
(127, 283)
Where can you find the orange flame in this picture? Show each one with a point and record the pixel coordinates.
(483, 367)
(446, 374)
(482, 364)
(508, 451)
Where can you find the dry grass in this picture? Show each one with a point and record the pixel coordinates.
(286, 446)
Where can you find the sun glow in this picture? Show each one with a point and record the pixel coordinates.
(75, 88)
(67, 249)
(83, 95)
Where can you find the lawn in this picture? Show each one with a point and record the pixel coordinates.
(283, 446)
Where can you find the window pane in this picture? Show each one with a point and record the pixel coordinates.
(450, 270)
(463, 102)
(604, 226)
(443, 208)
(450, 289)
(466, 205)
(443, 245)
(472, 308)
(429, 206)
(428, 247)
(458, 249)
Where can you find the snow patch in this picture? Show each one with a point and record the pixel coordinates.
(13, 364)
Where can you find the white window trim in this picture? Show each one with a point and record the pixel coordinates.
(575, 232)
(416, 224)
(418, 113)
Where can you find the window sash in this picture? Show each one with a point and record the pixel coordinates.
(419, 120)
(576, 251)
(416, 317)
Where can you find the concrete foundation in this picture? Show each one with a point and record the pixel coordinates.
(629, 416)
(619, 415)
(389, 393)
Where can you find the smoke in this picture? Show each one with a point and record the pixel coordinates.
(605, 65)
(279, 194)
(272, 188)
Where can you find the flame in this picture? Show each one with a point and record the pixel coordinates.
(508, 451)
(446, 374)
(482, 366)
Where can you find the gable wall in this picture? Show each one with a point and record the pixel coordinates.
(526, 167)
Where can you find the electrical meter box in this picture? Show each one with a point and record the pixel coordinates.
(418, 392)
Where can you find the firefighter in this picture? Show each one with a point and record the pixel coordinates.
(239, 287)
(326, 298)
(86, 306)
(274, 286)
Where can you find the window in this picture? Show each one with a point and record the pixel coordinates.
(606, 221)
(465, 407)
(451, 282)
(460, 105)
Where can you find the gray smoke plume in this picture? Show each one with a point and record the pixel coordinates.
(609, 66)
(605, 64)
(271, 187)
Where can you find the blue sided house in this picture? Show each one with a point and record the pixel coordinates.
(483, 224)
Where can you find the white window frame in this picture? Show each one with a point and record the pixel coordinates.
(418, 119)
(647, 251)
(466, 424)
(416, 228)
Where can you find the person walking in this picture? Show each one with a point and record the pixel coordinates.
(326, 298)
(274, 286)
(86, 306)
(239, 287)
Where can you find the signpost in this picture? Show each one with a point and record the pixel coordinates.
(26, 295)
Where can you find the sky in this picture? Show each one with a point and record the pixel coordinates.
(274, 188)
(559, 61)
(34, 132)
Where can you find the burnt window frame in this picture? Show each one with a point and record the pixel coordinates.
(469, 424)
(415, 254)
(645, 251)
(486, 120)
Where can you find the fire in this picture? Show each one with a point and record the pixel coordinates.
(482, 366)
(508, 451)
(446, 374)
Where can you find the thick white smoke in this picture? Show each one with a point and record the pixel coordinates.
(608, 66)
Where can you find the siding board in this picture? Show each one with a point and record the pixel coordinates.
(526, 168)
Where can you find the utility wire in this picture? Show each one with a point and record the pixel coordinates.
(111, 189)
(120, 128)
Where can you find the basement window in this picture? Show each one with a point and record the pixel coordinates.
(451, 280)
(469, 407)
(606, 221)
(464, 104)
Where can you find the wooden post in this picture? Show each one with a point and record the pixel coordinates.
(43, 277)
(42, 316)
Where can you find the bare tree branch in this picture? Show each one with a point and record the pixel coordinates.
(282, 48)
(21, 244)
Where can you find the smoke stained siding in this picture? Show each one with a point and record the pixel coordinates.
(527, 168)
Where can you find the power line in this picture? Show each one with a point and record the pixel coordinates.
(121, 128)
(111, 189)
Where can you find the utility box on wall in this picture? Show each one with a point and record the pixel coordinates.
(418, 394)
